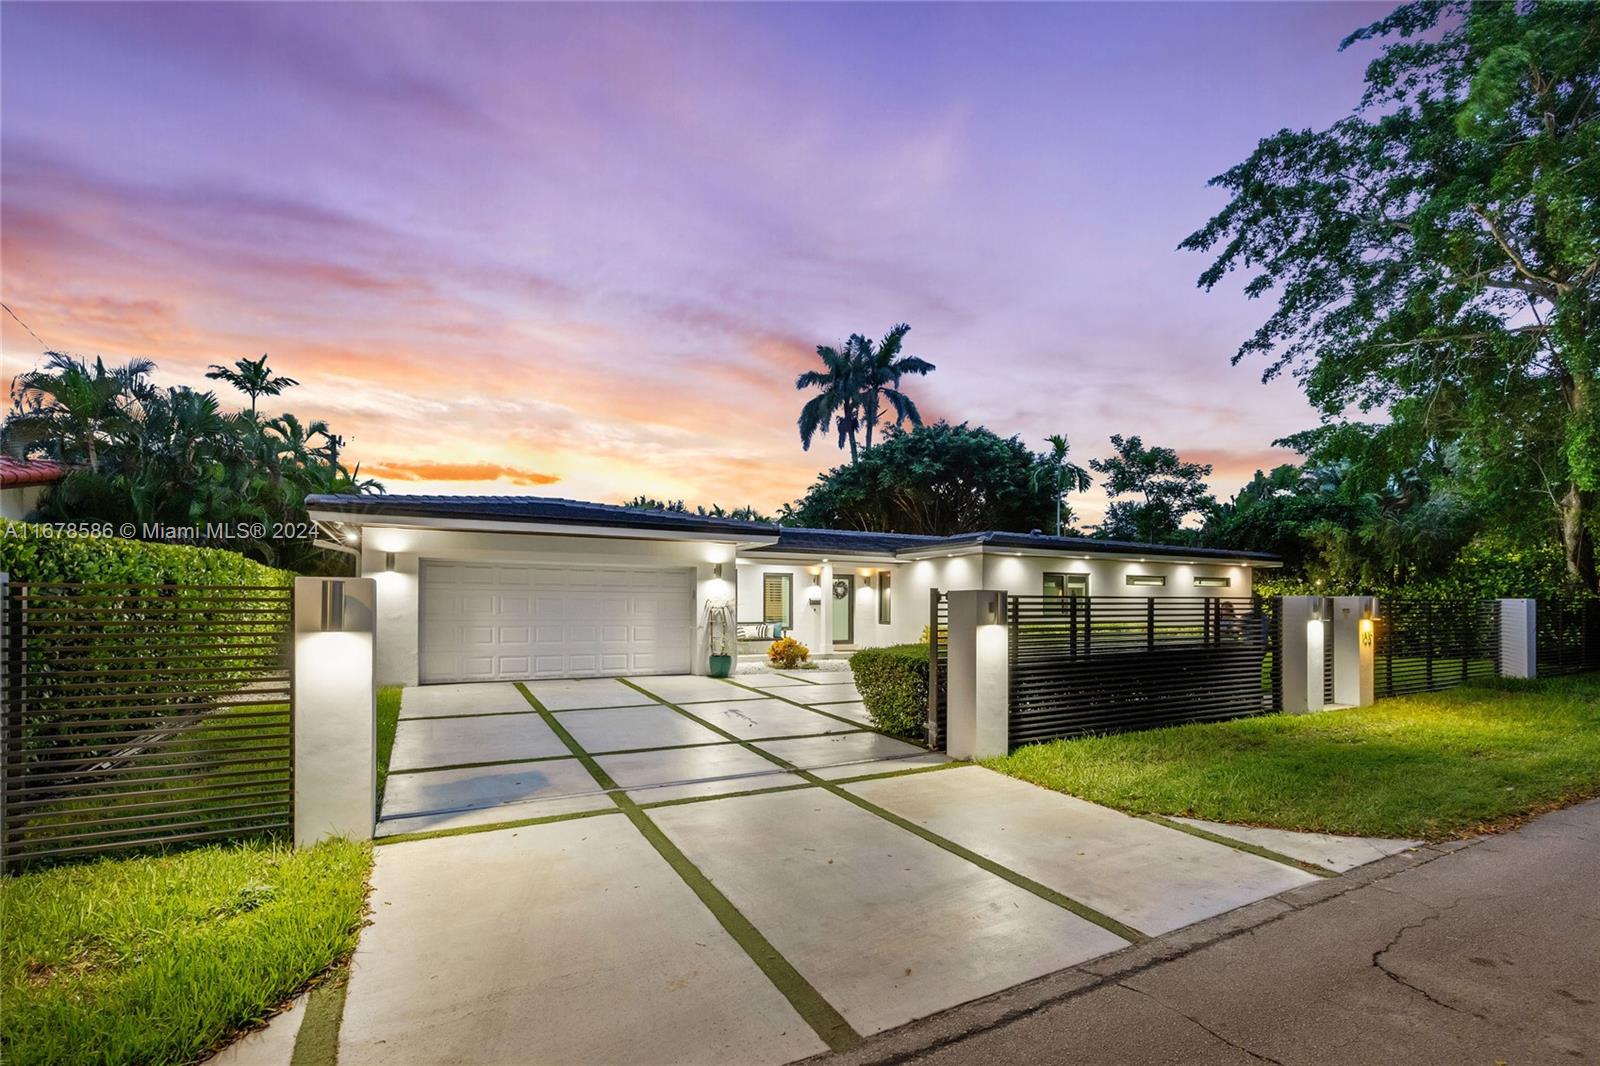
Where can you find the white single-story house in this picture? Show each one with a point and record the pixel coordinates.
(479, 588)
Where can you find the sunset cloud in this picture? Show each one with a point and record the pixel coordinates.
(435, 471)
(525, 245)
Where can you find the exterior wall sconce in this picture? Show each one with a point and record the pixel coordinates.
(333, 607)
(991, 608)
(716, 571)
(388, 562)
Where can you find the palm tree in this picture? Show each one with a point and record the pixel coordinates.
(881, 369)
(838, 398)
(1070, 477)
(72, 406)
(252, 378)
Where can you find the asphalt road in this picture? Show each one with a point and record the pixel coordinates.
(1487, 952)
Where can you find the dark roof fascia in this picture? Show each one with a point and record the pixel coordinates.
(534, 511)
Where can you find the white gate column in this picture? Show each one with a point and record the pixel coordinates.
(978, 667)
(1302, 648)
(1519, 638)
(335, 709)
(1354, 640)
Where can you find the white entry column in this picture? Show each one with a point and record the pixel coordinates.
(1302, 650)
(978, 682)
(1354, 645)
(335, 709)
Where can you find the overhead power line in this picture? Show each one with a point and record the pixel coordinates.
(25, 326)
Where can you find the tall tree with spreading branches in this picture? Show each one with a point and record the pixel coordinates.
(1168, 490)
(1435, 256)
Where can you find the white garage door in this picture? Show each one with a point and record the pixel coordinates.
(482, 622)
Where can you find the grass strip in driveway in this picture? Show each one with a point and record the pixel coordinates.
(816, 1011)
(1242, 845)
(317, 1042)
(1005, 873)
(1432, 766)
(864, 727)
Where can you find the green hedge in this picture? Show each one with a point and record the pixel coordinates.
(28, 553)
(894, 685)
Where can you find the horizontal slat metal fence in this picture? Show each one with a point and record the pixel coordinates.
(1568, 636)
(141, 715)
(1428, 645)
(938, 662)
(1106, 663)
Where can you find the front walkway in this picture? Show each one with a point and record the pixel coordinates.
(704, 871)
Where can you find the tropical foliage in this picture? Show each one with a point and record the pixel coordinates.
(1435, 257)
(858, 385)
(936, 480)
(172, 457)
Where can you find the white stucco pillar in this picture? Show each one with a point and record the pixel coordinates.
(1302, 649)
(978, 682)
(1353, 646)
(1519, 638)
(335, 709)
(825, 611)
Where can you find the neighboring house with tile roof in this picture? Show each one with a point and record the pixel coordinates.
(23, 481)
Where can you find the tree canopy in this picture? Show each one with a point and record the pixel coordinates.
(1166, 489)
(937, 480)
(1434, 255)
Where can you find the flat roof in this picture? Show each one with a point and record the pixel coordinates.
(782, 540)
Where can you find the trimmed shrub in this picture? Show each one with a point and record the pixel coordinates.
(894, 685)
(787, 653)
(28, 553)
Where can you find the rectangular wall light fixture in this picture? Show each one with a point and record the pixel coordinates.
(333, 607)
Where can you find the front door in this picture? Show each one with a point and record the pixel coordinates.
(844, 614)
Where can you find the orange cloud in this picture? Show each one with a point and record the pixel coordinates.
(423, 470)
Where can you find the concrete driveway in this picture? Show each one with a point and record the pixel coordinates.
(691, 870)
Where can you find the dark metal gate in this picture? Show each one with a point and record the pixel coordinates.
(938, 662)
(1568, 636)
(139, 715)
(1428, 645)
(1082, 664)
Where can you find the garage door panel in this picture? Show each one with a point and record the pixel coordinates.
(484, 622)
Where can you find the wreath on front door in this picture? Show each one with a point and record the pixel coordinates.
(841, 588)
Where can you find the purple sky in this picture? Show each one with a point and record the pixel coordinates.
(584, 250)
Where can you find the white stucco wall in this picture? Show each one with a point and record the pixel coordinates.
(397, 590)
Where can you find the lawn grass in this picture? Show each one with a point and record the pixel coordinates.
(157, 959)
(1430, 766)
(388, 722)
